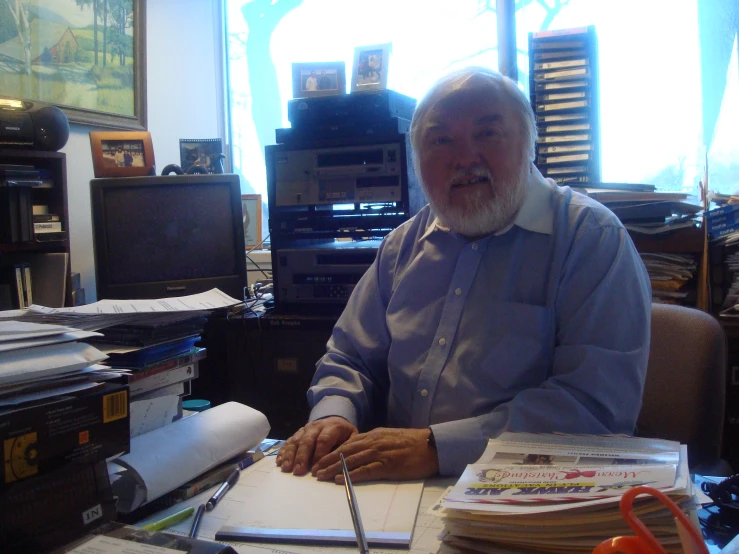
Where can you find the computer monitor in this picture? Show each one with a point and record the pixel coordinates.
(171, 235)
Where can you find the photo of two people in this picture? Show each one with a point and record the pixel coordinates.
(369, 68)
(123, 153)
(324, 79)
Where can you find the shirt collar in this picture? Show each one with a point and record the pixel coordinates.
(536, 213)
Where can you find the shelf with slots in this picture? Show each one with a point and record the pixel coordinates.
(42, 246)
(49, 259)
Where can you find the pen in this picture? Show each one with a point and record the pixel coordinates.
(169, 520)
(354, 509)
(220, 493)
(196, 521)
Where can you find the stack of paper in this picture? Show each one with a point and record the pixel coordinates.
(672, 277)
(561, 493)
(42, 361)
(648, 212)
(107, 313)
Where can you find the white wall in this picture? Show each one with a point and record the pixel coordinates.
(185, 100)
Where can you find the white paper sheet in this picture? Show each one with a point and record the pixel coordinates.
(209, 300)
(17, 366)
(153, 413)
(11, 330)
(257, 501)
(48, 393)
(111, 545)
(19, 344)
(166, 458)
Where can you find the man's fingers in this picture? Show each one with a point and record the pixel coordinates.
(286, 455)
(325, 442)
(373, 471)
(355, 457)
(304, 453)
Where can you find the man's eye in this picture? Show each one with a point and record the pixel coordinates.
(490, 133)
(441, 140)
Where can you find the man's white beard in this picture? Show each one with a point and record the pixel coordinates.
(481, 214)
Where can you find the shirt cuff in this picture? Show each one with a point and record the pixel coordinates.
(458, 443)
(334, 406)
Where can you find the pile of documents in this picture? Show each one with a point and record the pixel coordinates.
(40, 361)
(672, 277)
(643, 210)
(561, 493)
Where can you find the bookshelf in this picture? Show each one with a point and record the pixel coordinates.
(49, 261)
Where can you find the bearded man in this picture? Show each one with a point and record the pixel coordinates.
(507, 304)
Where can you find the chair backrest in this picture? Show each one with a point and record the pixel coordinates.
(684, 394)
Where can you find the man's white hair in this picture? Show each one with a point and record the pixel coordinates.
(474, 78)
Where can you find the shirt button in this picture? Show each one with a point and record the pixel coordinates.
(474, 246)
(442, 341)
(424, 392)
(458, 292)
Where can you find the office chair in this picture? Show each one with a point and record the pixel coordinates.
(684, 393)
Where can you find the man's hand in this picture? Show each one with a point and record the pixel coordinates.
(313, 442)
(381, 454)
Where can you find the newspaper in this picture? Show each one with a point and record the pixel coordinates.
(526, 468)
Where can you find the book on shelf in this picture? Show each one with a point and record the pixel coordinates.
(47, 227)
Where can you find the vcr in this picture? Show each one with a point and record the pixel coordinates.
(323, 273)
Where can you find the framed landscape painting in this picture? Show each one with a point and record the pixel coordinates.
(87, 57)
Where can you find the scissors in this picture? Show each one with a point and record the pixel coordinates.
(644, 542)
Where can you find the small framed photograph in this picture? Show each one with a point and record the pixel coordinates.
(370, 67)
(319, 79)
(251, 210)
(121, 153)
(203, 152)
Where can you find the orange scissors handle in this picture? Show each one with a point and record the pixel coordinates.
(644, 542)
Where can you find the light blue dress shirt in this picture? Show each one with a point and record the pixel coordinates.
(543, 327)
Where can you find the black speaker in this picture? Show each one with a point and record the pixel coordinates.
(32, 125)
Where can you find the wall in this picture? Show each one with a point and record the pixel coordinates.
(184, 60)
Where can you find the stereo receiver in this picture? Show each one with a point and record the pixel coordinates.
(369, 173)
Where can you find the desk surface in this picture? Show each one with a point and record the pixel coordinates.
(425, 535)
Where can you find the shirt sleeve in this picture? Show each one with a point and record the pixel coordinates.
(352, 378)
(602, 317)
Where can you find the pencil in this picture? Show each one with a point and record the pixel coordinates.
(169, 520)
(354, 509)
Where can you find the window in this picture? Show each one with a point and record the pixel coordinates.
(265, 37)
(669, 74)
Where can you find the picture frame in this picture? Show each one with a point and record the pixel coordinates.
(319, 79)
(122, 153)
(56, 61)
(251, 209)
(207, 153)
(370, 68)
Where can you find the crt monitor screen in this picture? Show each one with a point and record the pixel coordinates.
(168, 236)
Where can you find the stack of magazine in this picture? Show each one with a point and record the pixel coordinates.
(561, 493)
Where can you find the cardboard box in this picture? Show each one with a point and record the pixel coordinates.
(84, 427)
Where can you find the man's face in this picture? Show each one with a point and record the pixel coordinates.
(472, 161)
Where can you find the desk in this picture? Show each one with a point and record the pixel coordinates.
(425, 536)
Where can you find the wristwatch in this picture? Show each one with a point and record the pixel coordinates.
(432, 440)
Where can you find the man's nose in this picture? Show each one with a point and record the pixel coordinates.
(466, 153)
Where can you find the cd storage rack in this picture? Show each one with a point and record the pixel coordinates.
(563, 86)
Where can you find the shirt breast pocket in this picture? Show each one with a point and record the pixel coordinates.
(520, 346)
